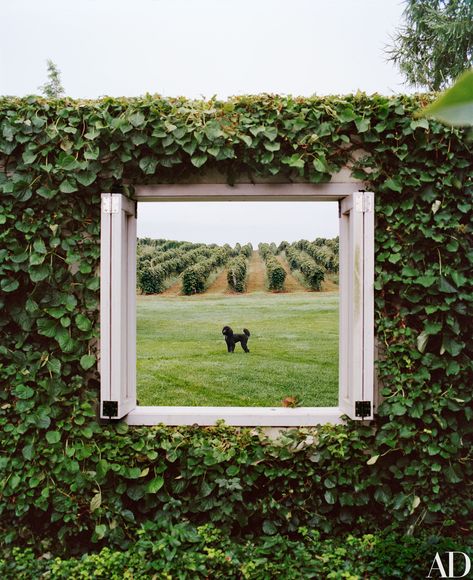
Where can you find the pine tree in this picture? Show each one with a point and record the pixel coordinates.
(53, 89)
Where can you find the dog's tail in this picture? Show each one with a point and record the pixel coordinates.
(246, 331)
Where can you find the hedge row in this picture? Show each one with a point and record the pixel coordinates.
(183, 551)
(246, 250)
(152, 277)
(194, 278)
(149, 255)
(313, 274)
(323, 251)
(236, 273)
(275, 273)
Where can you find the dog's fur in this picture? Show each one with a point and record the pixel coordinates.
(231, 338)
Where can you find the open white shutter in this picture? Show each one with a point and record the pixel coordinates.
(117, 306)
(356, 305)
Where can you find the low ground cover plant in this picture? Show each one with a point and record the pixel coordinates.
(184, 551)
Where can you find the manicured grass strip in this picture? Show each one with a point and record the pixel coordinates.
(182, 358)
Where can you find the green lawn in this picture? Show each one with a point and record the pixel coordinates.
(182, 356)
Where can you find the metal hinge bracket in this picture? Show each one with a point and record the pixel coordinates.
(110, 204)
(362, 409)
(109, 408)
(363, 202)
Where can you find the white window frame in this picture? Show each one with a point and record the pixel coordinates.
(118, 306)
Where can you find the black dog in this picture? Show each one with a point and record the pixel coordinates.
(231, 339)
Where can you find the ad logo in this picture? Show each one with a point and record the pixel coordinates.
(461, 562)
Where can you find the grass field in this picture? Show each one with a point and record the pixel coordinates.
(182, 357)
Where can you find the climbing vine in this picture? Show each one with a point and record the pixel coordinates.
(67, 479)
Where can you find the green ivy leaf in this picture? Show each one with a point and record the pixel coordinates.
(455, 106)
(155, 484)
(67, 162)
(95, 502)
(86, 178)
(198, 160)
(54, 365)
(320, 164)
(28, 451)
(362, 125)
(23, 392)
(247, 140)
(68, 186)
(213, 130)
(100, 531)
(39, 246)
(38, 273)
(270, 133)
(422, 340)
(37, 259)
(394, 184)
(330, 496)
(8, 285)
(269, 528)
(83, 323)
(65, 341)
(47, 327)
(423, 123)
(148, 165)
(53, 437)
(445, 286)
(134, 472)
(426, 281)
(272, 146)
(29, 157)
(70, 302)
(136, 119)
(295, 160)
(87, 361)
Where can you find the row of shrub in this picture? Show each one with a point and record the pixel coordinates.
(159, 260)
(324, 251)
(194, 278)
(275, 273)
(246, 250)
(313, 274)
(236, 273)
(162, 244)
(184, 551)
(152, 277)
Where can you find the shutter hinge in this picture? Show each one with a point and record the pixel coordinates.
(363, 202)
(362, 409)
(110, 204)
(110, 409)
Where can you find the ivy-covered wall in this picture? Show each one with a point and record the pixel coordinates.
(66, 479)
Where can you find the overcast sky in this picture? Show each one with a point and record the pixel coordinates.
(200, 48)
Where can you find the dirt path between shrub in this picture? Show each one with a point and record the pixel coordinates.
(256, 274)
(173, 290)
(291, 284)
(220, 284)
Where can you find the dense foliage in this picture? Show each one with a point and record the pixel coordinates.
(183, 551)
(160, 261)
(157, 266)
(195, 278)
(275, 273)
(435, 44)
(67, 479)
(237, 270)
(323, 251)
(313, 274)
